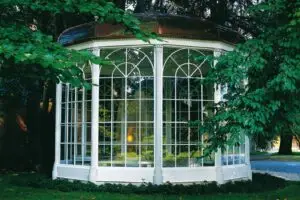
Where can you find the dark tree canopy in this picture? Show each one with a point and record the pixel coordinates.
(263, 77)
(29, 30)
(31, 60)
(231, 13)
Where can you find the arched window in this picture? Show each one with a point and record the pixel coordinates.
(185, 99)
(126, 108)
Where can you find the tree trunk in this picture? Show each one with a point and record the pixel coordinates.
(285, 147)
(34, 127)
(48, 132)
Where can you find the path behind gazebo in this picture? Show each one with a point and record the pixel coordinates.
(288, 169)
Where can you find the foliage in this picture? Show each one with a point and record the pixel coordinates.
(264, 142)
(230, 13)
(27, 37)
(291, 192)
(262, 76)
(260, 183)
(31, 61)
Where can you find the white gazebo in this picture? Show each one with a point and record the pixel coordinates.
(132, 127)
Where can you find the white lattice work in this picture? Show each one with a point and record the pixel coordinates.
(185, 100)
(133, 126)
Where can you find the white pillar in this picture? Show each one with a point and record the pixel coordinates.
(95, 119)
(57, 129)
(158, 114)
(247, 157)
(218, 154)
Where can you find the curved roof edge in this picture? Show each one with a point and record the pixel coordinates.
(172, 26)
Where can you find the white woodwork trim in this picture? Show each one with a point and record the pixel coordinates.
(158, 114)
(247, 157)
(218, 154)
(57, 129)
(95, 118)
(206, 44)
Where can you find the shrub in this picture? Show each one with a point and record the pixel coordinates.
(260, 183)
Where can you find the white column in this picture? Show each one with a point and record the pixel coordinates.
(218, 154)
(158, 114)
(57, 129)
(95, 119)
(247, 157)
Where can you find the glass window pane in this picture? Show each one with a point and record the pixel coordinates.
(132, 159)
(62, 154)
(133, 133)
(182, 133)
(105, 88)
(182, 156)
(104, 133)
(87, 154)
(118, 157)
(63, 133)
(169, 88)
(118, 87)
(169, 133)
(168, 156)
(105, 155)
(147, 133)
(78, 155)
(70, 154)
(118, 113)
(87, 132)
(169, 113)
(105, 111)
(119, 133)
(196, 153)
(147, 156)
(134, 110)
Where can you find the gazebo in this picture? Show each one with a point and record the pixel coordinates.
(133, 125)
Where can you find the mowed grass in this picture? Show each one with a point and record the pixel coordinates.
(8, 191)
(294, 157)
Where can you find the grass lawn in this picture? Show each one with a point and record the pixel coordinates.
(294, 157)
(9, 191)
(275, 156)
(255, 153)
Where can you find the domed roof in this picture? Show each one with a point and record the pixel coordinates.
(170, 26)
